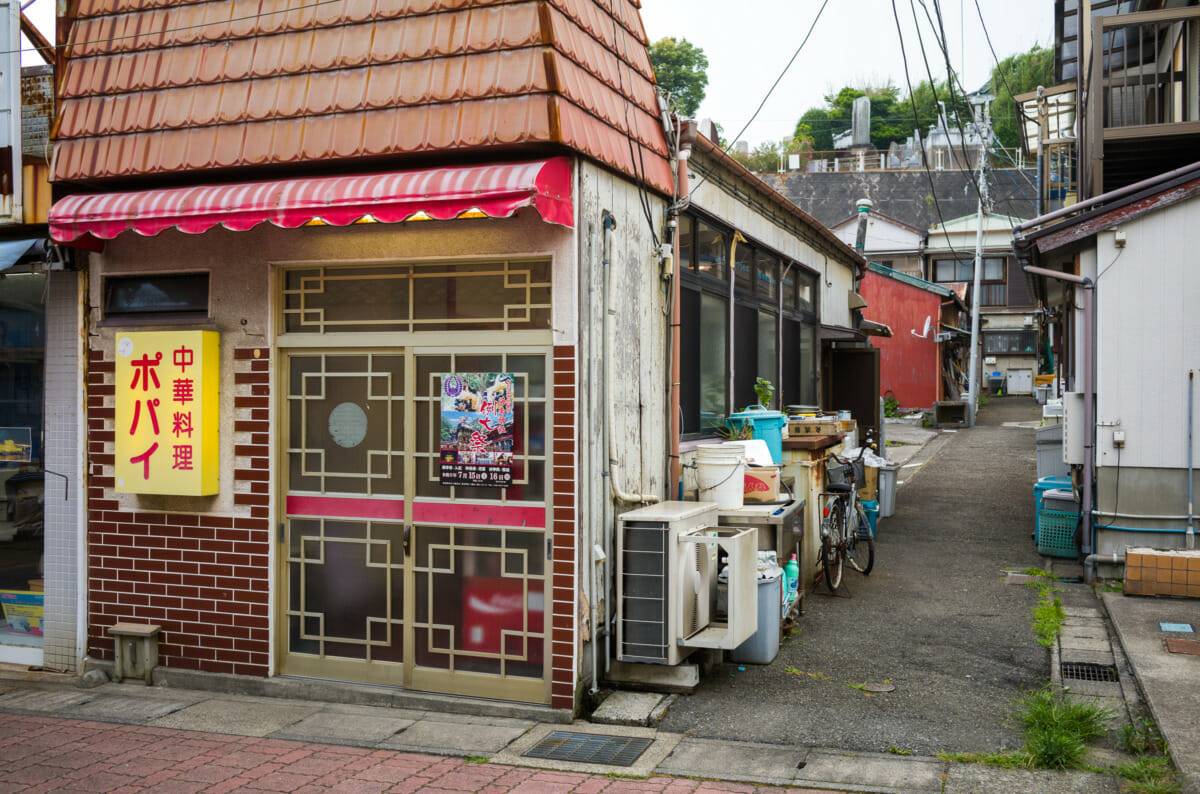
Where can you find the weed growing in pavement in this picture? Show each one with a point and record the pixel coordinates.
(1048, 617)
(1016, 760)
(894, 750)
(1110, 586)
(1142, 738)
(1057, 728)
(1038, 572)
(476, 759)
(1149, 775)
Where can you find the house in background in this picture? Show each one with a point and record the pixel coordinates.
(889, 242)
(923, 361)
(1009, 315)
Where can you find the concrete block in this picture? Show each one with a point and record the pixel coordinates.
(737, 761)
(681, 678)
(870, 771)
(237, 717)
(343, 727)
(453, 738)
(627, 708)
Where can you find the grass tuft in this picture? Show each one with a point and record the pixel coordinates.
(1057, 728)
(1048, 618)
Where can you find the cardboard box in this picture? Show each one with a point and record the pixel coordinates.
(761, 484)
(815, 426)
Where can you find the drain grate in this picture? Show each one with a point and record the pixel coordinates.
(1088, 671)
(589, 748)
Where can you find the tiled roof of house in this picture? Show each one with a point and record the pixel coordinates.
(162, 86)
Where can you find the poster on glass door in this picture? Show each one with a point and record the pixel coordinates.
(477, 429)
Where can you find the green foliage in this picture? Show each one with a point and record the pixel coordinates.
(1058, 728)
(1149, 775)
(1048, 617)
(681, 69)
(891, 406)
(765, 159)
(1022, 73)
(1142, 738)
(894, 750)
(1003, 760)
(763, 390)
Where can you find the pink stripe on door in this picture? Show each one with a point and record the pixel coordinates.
(455, 513)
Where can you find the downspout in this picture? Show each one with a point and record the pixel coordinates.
(675, 425)
(779, 334)
(1089, 396)
(620, 495)
(1191, 534)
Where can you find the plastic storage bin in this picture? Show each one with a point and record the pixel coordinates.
(871, 508)
(1047, 484)
(763, 645)
(887, 489)
(767, 424)
(1057, 521)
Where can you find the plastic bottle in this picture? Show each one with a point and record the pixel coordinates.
(792, 572)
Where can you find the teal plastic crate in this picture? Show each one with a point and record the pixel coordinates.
(1056, 533)
(871, 508)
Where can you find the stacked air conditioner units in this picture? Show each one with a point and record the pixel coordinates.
(667, 582)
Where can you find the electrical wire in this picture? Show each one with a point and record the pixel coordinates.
(912, 98)
(635, 160)
(999, 72)
(792, 60)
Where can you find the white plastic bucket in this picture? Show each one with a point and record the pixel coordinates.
(720, 472)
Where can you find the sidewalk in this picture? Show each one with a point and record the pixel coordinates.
(128, 737)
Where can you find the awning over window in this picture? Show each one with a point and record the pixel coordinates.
(494, 191)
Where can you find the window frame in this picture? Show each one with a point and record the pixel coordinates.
(123, 315)
(988, 287)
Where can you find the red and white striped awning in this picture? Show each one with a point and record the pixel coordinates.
(494, 191)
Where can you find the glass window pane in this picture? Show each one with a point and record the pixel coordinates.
(711, 250)
(743, 267)
(993, 269)
(686, 260)
(789, 290)
(712, 335)
(178, 292)
(768, 360)
(808, 372)
(807, 288)
(766, 275)
(966, 270)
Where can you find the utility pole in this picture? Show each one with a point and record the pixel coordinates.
(984, 131)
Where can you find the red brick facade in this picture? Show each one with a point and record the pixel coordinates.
(202, 577)
(563, 648)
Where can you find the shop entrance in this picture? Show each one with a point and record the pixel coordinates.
(390, 576)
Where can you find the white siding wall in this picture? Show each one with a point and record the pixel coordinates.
(1148, 298)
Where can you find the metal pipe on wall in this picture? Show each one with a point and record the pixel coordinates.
(1191, 534)
(675, 424)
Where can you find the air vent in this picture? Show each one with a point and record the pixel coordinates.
(1087, 671)
(589, 748)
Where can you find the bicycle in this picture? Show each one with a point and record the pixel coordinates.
(846, 535)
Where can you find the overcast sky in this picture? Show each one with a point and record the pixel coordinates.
(748, 43)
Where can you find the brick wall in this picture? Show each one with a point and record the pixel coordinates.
(203, 577)
(563, 585)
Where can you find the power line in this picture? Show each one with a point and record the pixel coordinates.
(796, 54)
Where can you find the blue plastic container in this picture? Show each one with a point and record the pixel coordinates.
(767, 425)
(871, 508)
(1048, 484)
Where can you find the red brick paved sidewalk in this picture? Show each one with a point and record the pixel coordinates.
(48, 754)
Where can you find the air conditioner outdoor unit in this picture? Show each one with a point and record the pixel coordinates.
(1074, 432)
(667, 582)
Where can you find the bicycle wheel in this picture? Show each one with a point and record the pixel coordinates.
(833, 545)
(860, 546)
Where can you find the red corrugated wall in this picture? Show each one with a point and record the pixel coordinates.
(908, 365)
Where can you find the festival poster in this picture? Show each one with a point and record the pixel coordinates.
(477, 429)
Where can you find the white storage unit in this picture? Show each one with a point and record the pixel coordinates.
(1019, 381)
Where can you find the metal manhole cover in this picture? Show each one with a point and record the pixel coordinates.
(1177, 645)
(589, 748)
(1088, 671)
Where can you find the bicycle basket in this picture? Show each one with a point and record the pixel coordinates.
(836, 472)
(860, 472)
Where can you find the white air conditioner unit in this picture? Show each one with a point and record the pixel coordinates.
(667, 582)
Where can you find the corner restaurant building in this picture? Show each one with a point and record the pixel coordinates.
(293, 518)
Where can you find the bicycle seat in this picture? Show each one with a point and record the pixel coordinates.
(838, 487)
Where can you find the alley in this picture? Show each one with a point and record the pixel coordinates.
(934, 618)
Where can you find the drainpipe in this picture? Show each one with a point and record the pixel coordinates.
(675, 473)
(1089, 397)
(860, 239)
(1191, 534)
(737, 238)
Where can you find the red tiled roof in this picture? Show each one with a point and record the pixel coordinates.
(163, 86)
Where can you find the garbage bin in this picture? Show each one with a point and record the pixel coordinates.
(763, 645)
(887, 489)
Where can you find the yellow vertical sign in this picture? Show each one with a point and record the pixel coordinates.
(167, 385)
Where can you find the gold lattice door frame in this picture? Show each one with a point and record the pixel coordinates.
(381, 537)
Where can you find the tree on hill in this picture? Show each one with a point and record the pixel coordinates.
(681, 69)
(1017, 74)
